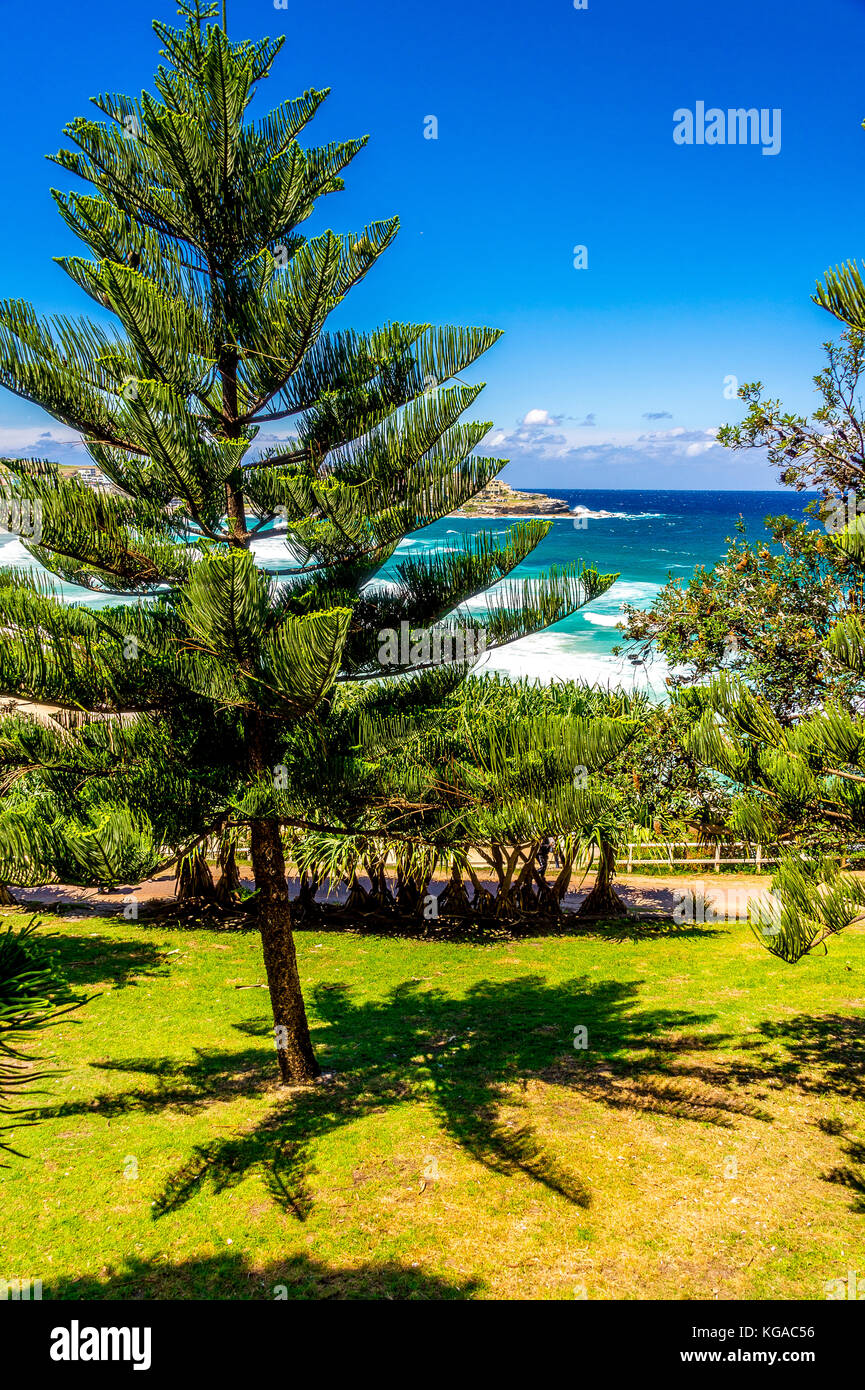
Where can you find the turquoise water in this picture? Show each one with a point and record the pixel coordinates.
(647, 536)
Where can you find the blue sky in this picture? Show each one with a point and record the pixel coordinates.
(555, 130)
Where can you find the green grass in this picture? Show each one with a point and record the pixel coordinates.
(707, 1144)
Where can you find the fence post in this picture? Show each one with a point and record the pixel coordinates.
(630, 855)
(759, 857)
(717, 858)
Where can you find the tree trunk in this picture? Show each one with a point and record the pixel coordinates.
(235, 510)
(235, 506)
(380, 898)
(409, 893)
(454, 899)
(309, 886)
(193, 879)
(297, 1064)
(547, 901)
(229, 886)
(483, 902)
(6, 898)
(604, 901)
(358, 897)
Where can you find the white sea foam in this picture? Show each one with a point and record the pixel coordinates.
(610, 516)
(476, 604)
(12, 551)
(550, 656)
(602, 619)
(272, 552)
(628, 591)
(382, 586)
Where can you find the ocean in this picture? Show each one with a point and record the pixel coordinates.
(647, 536)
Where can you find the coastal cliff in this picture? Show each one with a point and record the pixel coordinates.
(499, 499)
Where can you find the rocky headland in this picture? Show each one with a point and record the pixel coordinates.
(499, 499)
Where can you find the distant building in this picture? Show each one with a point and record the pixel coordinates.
(88, 473)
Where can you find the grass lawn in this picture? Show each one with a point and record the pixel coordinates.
(708, 1143)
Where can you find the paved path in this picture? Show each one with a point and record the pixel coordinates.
(726, 894)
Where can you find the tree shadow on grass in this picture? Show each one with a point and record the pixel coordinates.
(819, 1053)
(644, 927)
(824, 1055)
(482, 931)
(853, 1178)
(230, 1277)
(89, 960)
(186, 1087)
(470, 1059)
(851, 1175)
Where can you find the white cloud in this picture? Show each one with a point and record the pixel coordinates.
(36, 437)
(535, 418)
(578, 452)
(59, 444)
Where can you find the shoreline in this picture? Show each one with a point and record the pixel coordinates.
(499, 499)
(511, 516)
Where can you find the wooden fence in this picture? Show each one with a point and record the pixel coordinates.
(716, 859)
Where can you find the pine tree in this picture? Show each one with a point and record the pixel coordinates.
(200, 681)
(504, 770)
(797, 785)
(798, 769)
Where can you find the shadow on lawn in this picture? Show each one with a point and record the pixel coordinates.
(852, 1177)
(852, 1174)
(638, 925)
(470, 1059)
(824, 1053)
(92, 960)
(471, 931)
(825, 1056)
(230, 1277)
